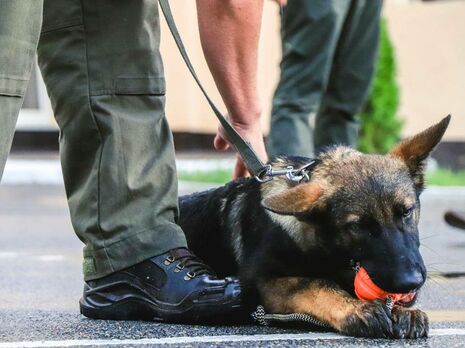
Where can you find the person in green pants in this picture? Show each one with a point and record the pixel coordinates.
(101, 63)
(329, 52)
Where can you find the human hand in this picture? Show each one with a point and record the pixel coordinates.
(253, 135)
(281, 2)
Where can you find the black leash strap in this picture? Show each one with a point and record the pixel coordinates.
(254, 164)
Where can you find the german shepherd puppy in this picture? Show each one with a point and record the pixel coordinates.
(294, 245)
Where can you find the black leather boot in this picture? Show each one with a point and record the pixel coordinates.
(174, 287)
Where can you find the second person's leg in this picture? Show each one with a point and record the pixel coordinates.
(351, 76)
(310, 32)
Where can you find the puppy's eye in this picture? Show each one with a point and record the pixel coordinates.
(407, 212)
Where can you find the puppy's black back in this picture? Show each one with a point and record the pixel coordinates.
(204, 219)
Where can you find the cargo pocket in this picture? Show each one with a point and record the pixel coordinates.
(12, 87)
(58, 15)
(137, 150)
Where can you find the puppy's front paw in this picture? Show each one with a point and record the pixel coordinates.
(409, 323)
(369, 319)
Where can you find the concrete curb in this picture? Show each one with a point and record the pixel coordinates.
(48, 172)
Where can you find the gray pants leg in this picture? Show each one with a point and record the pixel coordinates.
(351, 75)
(318, 36)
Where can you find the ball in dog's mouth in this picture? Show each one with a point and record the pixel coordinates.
(367, 290)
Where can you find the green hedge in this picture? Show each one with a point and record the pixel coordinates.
(380, 126)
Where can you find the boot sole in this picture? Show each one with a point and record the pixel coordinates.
(135, 309)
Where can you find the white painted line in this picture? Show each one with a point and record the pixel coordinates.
(447, 332)
(175, 340)
(203, 339)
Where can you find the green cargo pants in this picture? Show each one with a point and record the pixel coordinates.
(101, 63)
(20, 22)
(329, 53)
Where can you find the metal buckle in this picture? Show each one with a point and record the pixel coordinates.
(294, 175)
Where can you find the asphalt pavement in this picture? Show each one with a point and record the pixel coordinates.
(41, 282)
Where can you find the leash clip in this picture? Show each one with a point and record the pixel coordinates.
(294, 175)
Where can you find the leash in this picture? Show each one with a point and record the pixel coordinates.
(262, 172)
(266, 319)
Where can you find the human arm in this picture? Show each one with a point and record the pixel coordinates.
(229, 31)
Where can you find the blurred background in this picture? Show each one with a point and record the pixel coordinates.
(422, 55)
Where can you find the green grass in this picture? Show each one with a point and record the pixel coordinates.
(215, 176)
(446, 177)
(440, 177)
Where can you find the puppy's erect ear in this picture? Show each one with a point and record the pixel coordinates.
(415, 150)
(293, 201)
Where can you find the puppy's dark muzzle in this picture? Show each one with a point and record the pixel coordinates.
(398, 278)
(408, 281)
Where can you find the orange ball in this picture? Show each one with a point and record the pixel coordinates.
(366, 290)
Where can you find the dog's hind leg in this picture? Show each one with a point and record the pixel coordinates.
(327, 302)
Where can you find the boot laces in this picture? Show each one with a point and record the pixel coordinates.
(188, 260)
